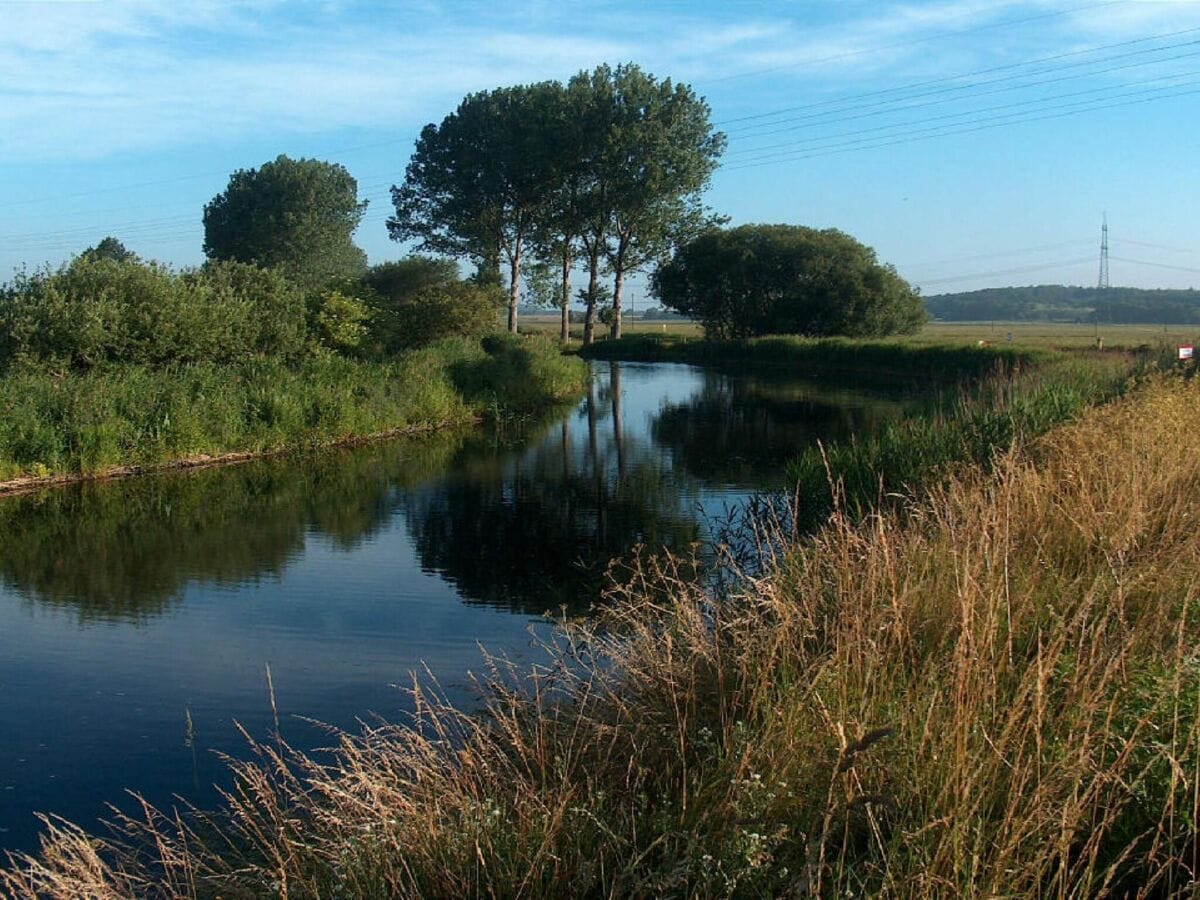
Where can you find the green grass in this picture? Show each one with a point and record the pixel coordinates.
(968, 426)
(124, 415)
(1057, 336)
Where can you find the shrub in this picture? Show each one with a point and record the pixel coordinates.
(97, 310)
(337, 322)
(420, 300)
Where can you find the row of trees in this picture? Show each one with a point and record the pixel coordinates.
(1068, 303)
(604, 173)
(607, 170)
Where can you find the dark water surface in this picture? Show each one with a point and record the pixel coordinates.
(138, 618)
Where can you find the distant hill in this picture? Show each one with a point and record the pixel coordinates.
(1067, 303)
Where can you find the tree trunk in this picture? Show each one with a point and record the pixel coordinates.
(514, 288)
(565, 300)
(618, 288)
(589, 317)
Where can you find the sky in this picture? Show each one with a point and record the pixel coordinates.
(972, 143)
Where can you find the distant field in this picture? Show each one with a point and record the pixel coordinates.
(1041, 334)
(1030, 334)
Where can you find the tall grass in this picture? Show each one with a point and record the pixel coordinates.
(965, 426)
(992, 691)
(131, 415)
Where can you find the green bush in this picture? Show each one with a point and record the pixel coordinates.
(787, 279)
(96, 310)
(337, 322)
(417, 301)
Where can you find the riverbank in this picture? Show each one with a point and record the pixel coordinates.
(948, 362)
(991, 689)
(124, 420)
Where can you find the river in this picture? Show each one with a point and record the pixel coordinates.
(138, 618)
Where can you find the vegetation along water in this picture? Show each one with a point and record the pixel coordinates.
(806, 607)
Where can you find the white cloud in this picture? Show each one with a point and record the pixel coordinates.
(84, 79)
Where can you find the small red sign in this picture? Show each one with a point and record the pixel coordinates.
(1187, 351)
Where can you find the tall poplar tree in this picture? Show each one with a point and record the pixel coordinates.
(660, 154)
(479, 182)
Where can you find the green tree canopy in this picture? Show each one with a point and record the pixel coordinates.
(111, 249)
(478, 182)
(658, 155)
(787, 279)
(296, 215)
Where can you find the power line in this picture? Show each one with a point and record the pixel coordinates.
(1020, 270)
(958, 77)
(867, 144)
(1041, 248)
(1034, 102)
(1157, 265)
(1168, 248)
(913, 42)
(886, 107)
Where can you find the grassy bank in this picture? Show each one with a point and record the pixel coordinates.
(993, 691)
(966, 426)
(87, 423)
(950, 362)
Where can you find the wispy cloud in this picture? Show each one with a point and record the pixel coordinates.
(83, 79)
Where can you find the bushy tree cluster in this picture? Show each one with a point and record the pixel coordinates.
(98, 310)
(607, 169)
(786, 279)
(419, 300)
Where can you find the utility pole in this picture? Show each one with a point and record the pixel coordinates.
(1103, 282)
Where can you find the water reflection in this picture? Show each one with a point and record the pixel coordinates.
(535, 531)
(738, 428)
(525, 518)
(344, 572)
(125, 550)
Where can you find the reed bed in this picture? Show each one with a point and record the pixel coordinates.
(988, 690)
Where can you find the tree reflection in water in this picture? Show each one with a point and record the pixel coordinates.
(525, 518)
(536, 531)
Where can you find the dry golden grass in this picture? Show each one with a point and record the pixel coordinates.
(991, 692)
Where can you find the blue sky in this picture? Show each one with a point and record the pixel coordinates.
(971, 142)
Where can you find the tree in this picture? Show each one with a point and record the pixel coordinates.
(298, 216)
(418, 300)
(478, 182)
(659, 155)
(786, 279)
(111, 249)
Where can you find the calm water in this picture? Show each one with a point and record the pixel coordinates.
(130, 609)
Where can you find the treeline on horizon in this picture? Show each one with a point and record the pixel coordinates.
(1069, 303)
